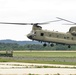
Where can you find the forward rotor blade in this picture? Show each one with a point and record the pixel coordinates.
(16, 23)
(29, 23)
(66, 20)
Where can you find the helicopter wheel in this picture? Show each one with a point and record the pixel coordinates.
(69, 46)
(44, 44)
(51, 45)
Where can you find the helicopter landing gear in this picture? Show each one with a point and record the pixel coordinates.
(44, 44)
(52, 45)
(69, 46)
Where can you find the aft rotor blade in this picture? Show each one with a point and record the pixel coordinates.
(69, 24)
(66, 20)
(48, 22)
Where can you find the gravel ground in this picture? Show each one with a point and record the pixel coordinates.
(59, 59)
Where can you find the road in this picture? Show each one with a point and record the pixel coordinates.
(13, 68)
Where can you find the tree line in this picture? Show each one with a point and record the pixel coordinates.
(15, 46)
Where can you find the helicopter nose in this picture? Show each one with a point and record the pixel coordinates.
(29, 36)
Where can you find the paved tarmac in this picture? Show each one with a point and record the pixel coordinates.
(13, 68)
(40, 71)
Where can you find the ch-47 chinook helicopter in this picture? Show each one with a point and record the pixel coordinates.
(38, 34)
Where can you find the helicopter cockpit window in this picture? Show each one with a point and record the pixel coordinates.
(42, 34)
(32, 32)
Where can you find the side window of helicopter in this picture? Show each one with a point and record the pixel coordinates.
(64, 37)
(50, 35)
(72, 38)
(57, 36)
(67, 37)
(34, 32)
(42, 34)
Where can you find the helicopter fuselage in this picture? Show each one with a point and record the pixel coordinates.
(52, 37)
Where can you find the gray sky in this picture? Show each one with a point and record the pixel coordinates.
(28, 11)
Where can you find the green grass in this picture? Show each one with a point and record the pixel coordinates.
(46, 54)
(37, 61)
(59, 56)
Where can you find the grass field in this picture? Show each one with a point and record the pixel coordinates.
(59, 57)
(47, 54)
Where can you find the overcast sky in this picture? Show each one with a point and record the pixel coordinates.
(28, 11)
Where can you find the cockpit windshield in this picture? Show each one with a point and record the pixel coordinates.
(33, 32)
